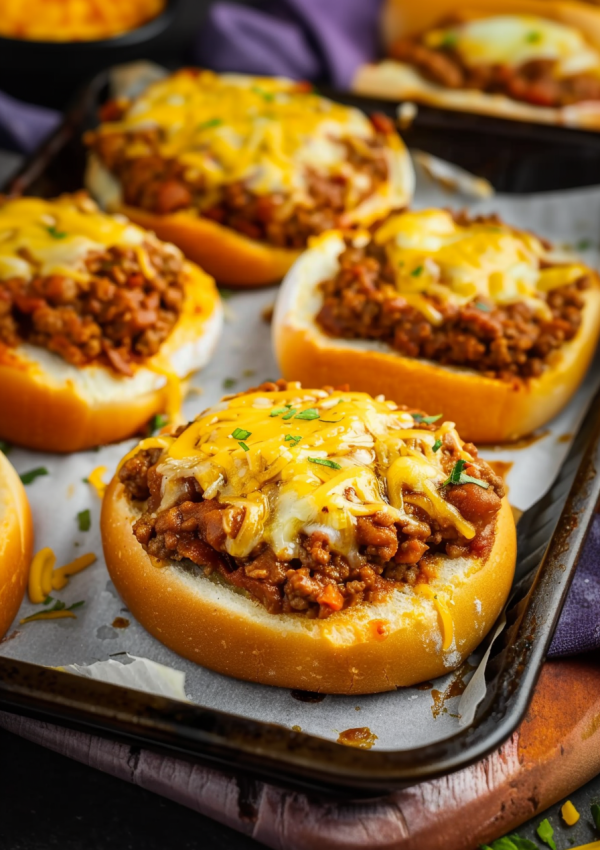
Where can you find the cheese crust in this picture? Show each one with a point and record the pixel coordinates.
(16, 543)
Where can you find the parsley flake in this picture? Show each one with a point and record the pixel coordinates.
(596, 815)
(244, 446)
(416, 272)
(533, 36)
(457, 476)
(212, 122)
(277, 410)
(324, 461)
(437, 446)
(157, 422)
(47, 600)
(5, 447)
(426, 420)
(84, 520)
(28, 477)
(511, 842)
(267, 96)
(289, 413)
(583, 244)
(228, 383)
(56, 234)
(240, 434)
(450, 40)
(546, 832)
(311, 413)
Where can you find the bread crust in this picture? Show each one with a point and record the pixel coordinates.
(399, 81)
(365, 649)
(39, 412)
(485, 410)
(16, 543)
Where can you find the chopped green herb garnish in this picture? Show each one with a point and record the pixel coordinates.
(157, 422)
(485, 307)
(5, 447)
(289, 413)
(244, 446)
(416, 272)
(533, 36)
(457, 476)
(247, 373)
(266, 95)
(84, 520)
(47, 600)
(449, 40)
(546, 832)
(289, 438)
(511, 842)
(228, 383)
(437, 446)
(596, 815)
(240, 434)
(311, 413)
(76, 605)
(225, 293)
(56, 234)
(277, 410)
(426, 420)
(323, 461)
(30, 476)
(583, 244)
(58, 606)
(212, 122)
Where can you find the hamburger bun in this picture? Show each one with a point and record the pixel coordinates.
(16, 543)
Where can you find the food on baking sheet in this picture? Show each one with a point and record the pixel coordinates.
(312, 539)
(74, 20)
(530, 60)
(471, 318)
(240, 171)
(99, 321)
(16, 543)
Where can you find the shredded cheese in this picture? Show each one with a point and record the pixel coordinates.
(299, 460)
(95, 479)
(60, 577)
(40, 575)
(569, 813)
(446, 622)
(49, 615)
(435, 257)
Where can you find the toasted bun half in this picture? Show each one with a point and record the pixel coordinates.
(485, 410)
(230, 257)
(50, 405)
(400, 81)
(16, 543)
(365, 649)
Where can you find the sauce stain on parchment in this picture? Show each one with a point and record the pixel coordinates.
(120, 623)
(564, 438)
(361, 737)
(522, 443)
(423, 686)
(501, 467)
(456, 687)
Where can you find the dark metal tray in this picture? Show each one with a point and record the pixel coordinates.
(550, 537)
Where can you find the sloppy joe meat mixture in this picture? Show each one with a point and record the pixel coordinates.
(116, 317)
(534, 81)
(507, 342)
(321, 581)
(161, 185)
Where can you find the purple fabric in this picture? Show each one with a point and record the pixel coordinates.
(578, 629)
(22, 126)
(323, 40)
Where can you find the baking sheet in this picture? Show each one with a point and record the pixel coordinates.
(402, 719)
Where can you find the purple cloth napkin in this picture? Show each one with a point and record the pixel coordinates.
(23, 126)
(578, 629)
(321, 40)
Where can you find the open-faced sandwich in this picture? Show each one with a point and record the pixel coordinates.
(240, 171)
(313, 539)
(532, 60)
(16, 542)
(471, 319)
(99, 321)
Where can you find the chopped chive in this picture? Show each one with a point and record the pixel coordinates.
(5, 447)
(437, 446)
(426, 420)
(240, 434)
(416, 272)
(243, 446)
(290, 438)
(583, 244)
(449, 40)
(269, 97)
(76, 605)
(228, 383)
(212, 122)
(56, 234)
(277, 410)
(533, 36)
(84, 520)
(311, 413)
(596, 815)
(157, 422)
(47, 600)
(289, 413)
(323, 461)
(30, 476)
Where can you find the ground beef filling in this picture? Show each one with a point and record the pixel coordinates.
(509, 342)
(163, 186)
(117, 317)
(321, 580)
(533, 82)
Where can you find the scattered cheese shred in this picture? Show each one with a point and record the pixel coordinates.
(49, 615)
(595, 845)
(40, 575)
(95, 479)
(569, 813)
(446, 622)
(60, 577)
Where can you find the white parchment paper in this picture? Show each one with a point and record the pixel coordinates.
(401, 719)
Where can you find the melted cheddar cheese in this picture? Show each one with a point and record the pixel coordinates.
(264, 131)
(516, 39)
(299, 461)
(434, 257)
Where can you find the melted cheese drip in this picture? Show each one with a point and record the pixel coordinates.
(39, 237)
(515, 39)
(357, 457)
(262, 130)
(433, 256)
